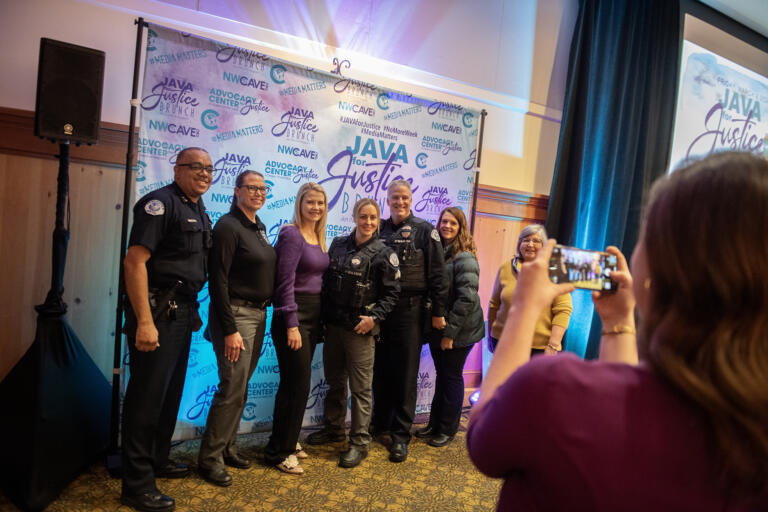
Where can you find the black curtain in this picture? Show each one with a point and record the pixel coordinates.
(616, 132)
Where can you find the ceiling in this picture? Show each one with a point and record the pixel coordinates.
(750, 13)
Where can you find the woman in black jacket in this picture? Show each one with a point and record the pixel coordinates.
(464, 327)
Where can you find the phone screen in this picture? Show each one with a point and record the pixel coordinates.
(582, 268)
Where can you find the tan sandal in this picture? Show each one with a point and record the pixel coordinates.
(291, 466)
(300, 453)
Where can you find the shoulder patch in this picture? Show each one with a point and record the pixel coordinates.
(393, 260)
(154, 207)
(435, 235)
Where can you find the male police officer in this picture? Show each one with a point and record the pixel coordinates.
(417, 245)
(165, 268)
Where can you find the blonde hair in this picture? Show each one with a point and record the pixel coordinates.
(297, 217)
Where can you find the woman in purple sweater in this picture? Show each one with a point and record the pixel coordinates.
(687, 429)
(301, 260)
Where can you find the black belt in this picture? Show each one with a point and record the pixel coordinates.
(249, 303)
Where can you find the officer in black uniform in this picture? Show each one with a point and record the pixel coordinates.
(165, 268)
(360, 288)
(423, 294)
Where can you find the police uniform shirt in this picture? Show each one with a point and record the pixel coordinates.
(410, 236)
(177, 233)
(383, 276)
(242, 265)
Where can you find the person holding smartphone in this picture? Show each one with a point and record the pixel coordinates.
(553, 322)
(688, 428)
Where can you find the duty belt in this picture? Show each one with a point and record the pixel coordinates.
(250, 303)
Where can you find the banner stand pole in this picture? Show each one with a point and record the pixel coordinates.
(114, 461)
(483, 113)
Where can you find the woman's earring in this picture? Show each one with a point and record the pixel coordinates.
(647, 283)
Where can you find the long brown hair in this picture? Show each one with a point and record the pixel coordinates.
(463, 241)
(706, 331)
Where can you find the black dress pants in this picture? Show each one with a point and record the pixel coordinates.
(445, 413)
(152, 399)
(396, 369)
(295, 377)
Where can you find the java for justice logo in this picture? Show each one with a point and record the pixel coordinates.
(242, 58)
(202, 403)
(172, 96)
(446, 111)
(296, 124)
(227, 168)
(729, 125)
(317, 394)
(433, 200)
(274, 230)
(359, 169)
(348, 86)
(175, 128)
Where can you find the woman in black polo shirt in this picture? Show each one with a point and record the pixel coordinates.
(242, 276)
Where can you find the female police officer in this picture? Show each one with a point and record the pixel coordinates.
(360, 288)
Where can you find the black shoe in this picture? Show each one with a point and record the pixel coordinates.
(237, 461)
(439, 440)
(153, 501)
(424, 432)
(398, 452)
(172, 470)
(216, 476)
(353, 456)
(325, 436)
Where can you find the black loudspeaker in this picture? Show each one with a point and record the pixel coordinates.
(70, 80)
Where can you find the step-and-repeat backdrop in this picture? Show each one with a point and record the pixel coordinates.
(293, 124)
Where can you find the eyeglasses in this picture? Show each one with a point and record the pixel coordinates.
(254, 189)
(197, 167)
(532, 241)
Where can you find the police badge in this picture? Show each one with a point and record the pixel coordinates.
(155, 207)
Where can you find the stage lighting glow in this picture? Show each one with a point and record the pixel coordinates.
(474, 397)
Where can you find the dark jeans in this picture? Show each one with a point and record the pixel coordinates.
(295, 376)
(396, 369)
(152, 399)
(445, 413)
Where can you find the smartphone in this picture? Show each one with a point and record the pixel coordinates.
(582, 268)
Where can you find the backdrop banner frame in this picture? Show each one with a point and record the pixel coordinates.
(293, 124)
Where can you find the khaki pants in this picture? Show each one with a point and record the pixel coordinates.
(347, 355)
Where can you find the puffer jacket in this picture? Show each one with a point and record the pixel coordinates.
(464, 322)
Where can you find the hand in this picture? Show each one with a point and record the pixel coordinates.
(446, 343)
(233, 344)
(534, 288)
(549, 351)
(146, 337)
(617, 308)
(438, 322)
(294, 338)
(365, 325)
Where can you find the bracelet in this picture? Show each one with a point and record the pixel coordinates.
(619, 329)
(549, 345)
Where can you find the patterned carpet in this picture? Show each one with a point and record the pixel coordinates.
(439, 479)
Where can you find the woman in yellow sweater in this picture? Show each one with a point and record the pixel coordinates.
(551, 326)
